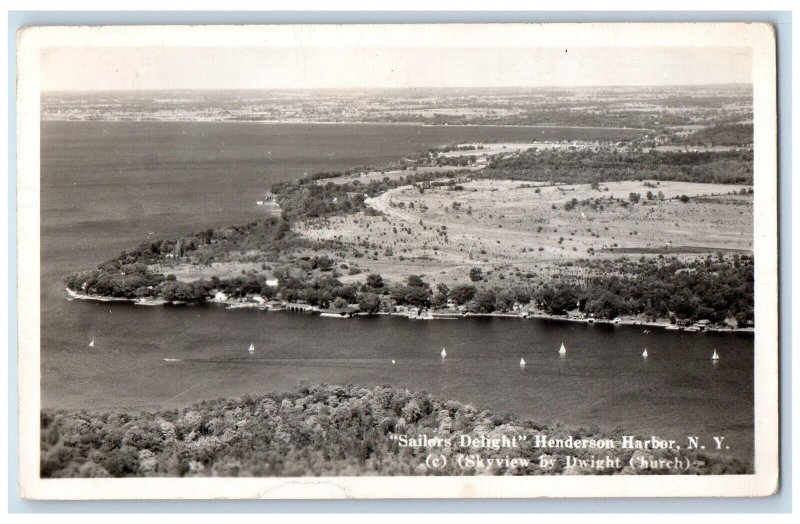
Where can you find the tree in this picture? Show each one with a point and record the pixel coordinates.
(523, 296)
(504, 301)
(684, 304)
(176, 291)
(558, 300)
(369, 302)
(416, 281)
(412, 295)
(374, 281)
(484, 301)
(476, 274)
(339, 303)
(462, 294)
(439, 300)
(742, 318)
(324, 263)
(605, 304)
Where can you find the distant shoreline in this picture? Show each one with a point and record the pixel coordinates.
(420, 124)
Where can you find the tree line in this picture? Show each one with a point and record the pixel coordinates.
(311, 431)
(583, 166)
(718, 288)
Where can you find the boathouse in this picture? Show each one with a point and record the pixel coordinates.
(296, 307)
(339, 312)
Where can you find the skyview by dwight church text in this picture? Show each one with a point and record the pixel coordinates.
(326, 255)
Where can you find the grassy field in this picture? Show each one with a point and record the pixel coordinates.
(517, 233)
(507, 226)
(391, 174)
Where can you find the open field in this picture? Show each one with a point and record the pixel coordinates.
(194, 271)
(482, 150)
(507, 227)
(393, 174)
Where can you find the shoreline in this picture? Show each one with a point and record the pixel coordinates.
(435, 315)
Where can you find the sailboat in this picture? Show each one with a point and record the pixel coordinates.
(562, 350)
(393, 361)
(444, 352)
(252, 348)
(522, 362)
(715, 356)
(644, 355)
(91, 344)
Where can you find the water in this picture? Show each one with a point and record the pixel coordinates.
(106, 186)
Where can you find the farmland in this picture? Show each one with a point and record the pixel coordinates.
(508, 226)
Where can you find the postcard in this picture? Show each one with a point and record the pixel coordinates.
(397, 261)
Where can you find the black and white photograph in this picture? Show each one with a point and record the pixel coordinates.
(483, 260)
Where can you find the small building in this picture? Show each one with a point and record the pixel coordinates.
(255, 299)
(575, 314)
(339, 312)
(702, 324)
(298, 307)
(355, 195)
(219, 296)
(274, 305)
(271, 282)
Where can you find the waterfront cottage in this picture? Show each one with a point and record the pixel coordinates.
(253, 298)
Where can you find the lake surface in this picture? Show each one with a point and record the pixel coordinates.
(105, 186)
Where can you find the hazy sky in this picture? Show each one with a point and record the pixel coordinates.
(293, 68)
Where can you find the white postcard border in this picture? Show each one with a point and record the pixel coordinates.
(760, 36)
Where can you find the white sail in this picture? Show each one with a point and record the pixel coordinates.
(393, 361)
(252, 348)
(522, 362)
(715, 356)
(91, 344)
(644, 355)
(562, 350)
(444, 352)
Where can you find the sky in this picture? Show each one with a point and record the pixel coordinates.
(154, 68)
